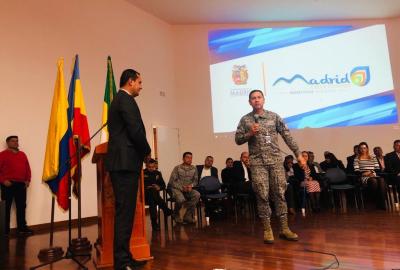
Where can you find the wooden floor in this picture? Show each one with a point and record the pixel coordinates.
(365, 240)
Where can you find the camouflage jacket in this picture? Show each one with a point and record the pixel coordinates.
(263, 147)
(183, 175)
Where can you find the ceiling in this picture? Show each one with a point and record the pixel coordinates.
(241, 11)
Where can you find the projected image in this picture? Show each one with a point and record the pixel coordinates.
(326, 76)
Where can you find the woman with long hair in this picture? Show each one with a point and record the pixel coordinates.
(367, 165)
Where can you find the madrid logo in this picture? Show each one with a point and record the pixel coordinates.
(359, 76)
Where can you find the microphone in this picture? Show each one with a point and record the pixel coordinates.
(256, 118)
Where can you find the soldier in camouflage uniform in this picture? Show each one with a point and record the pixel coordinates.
(260, 129)
(181, 182)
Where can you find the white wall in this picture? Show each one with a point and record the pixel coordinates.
(35, 33)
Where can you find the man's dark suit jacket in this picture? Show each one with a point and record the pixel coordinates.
(238, 172)
(392, 163)
(127, 146)
(227, 176)
(350, 164)
(153, 178)
(214, 171)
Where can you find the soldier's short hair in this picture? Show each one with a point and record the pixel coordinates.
(186, 153)
(254, 91)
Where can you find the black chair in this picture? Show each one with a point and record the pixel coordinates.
(210, 191)
(337, 180)
(391, 196)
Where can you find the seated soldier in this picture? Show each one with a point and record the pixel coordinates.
(183, 179)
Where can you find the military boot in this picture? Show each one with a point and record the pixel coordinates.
(285, 232)
(268, 234)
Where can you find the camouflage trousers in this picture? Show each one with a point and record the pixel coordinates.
(189, 199)
(269, 181)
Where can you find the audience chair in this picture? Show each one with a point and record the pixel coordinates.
(244, 201)
(338, 183)
(391, 198)
(210, 191)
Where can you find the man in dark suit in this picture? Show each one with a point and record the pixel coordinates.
(207, 169)
(350, 160)
(127, 149)
(242, 175)
(392, 165)
(227, 176)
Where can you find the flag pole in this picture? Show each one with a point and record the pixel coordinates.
(81, 244)
(51, 253)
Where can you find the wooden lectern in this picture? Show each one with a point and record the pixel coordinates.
(105, 203)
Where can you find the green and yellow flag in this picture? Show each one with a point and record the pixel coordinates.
(109, 93)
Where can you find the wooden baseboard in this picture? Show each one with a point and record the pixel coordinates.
(60, 225)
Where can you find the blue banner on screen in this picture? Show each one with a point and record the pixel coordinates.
(325, 76)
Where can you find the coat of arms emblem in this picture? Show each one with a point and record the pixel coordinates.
(239, 74)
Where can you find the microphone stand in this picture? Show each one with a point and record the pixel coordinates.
(55, 254)
(81, 245)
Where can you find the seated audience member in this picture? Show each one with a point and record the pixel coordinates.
(308, 179)
(227, 175)
(153, 183)
(378, 152)
(312, 162)
(350, 160)
(207, 169)
(292, 184)
(288, 165)
(242, 175)
(323, 164)
(367, 165)
(181, 182)
(392, 165)
(333, 162)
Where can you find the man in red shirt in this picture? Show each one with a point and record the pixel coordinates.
(15, 176)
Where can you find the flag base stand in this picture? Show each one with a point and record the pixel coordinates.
(50, 254)
(81, 245)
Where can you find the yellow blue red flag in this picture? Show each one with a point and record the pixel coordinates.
(56, 169)
(78, 119)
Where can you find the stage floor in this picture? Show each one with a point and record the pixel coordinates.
(360, 240)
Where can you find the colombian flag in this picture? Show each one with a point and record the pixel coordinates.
(56, 169)
(109, 93)
(78, 120)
